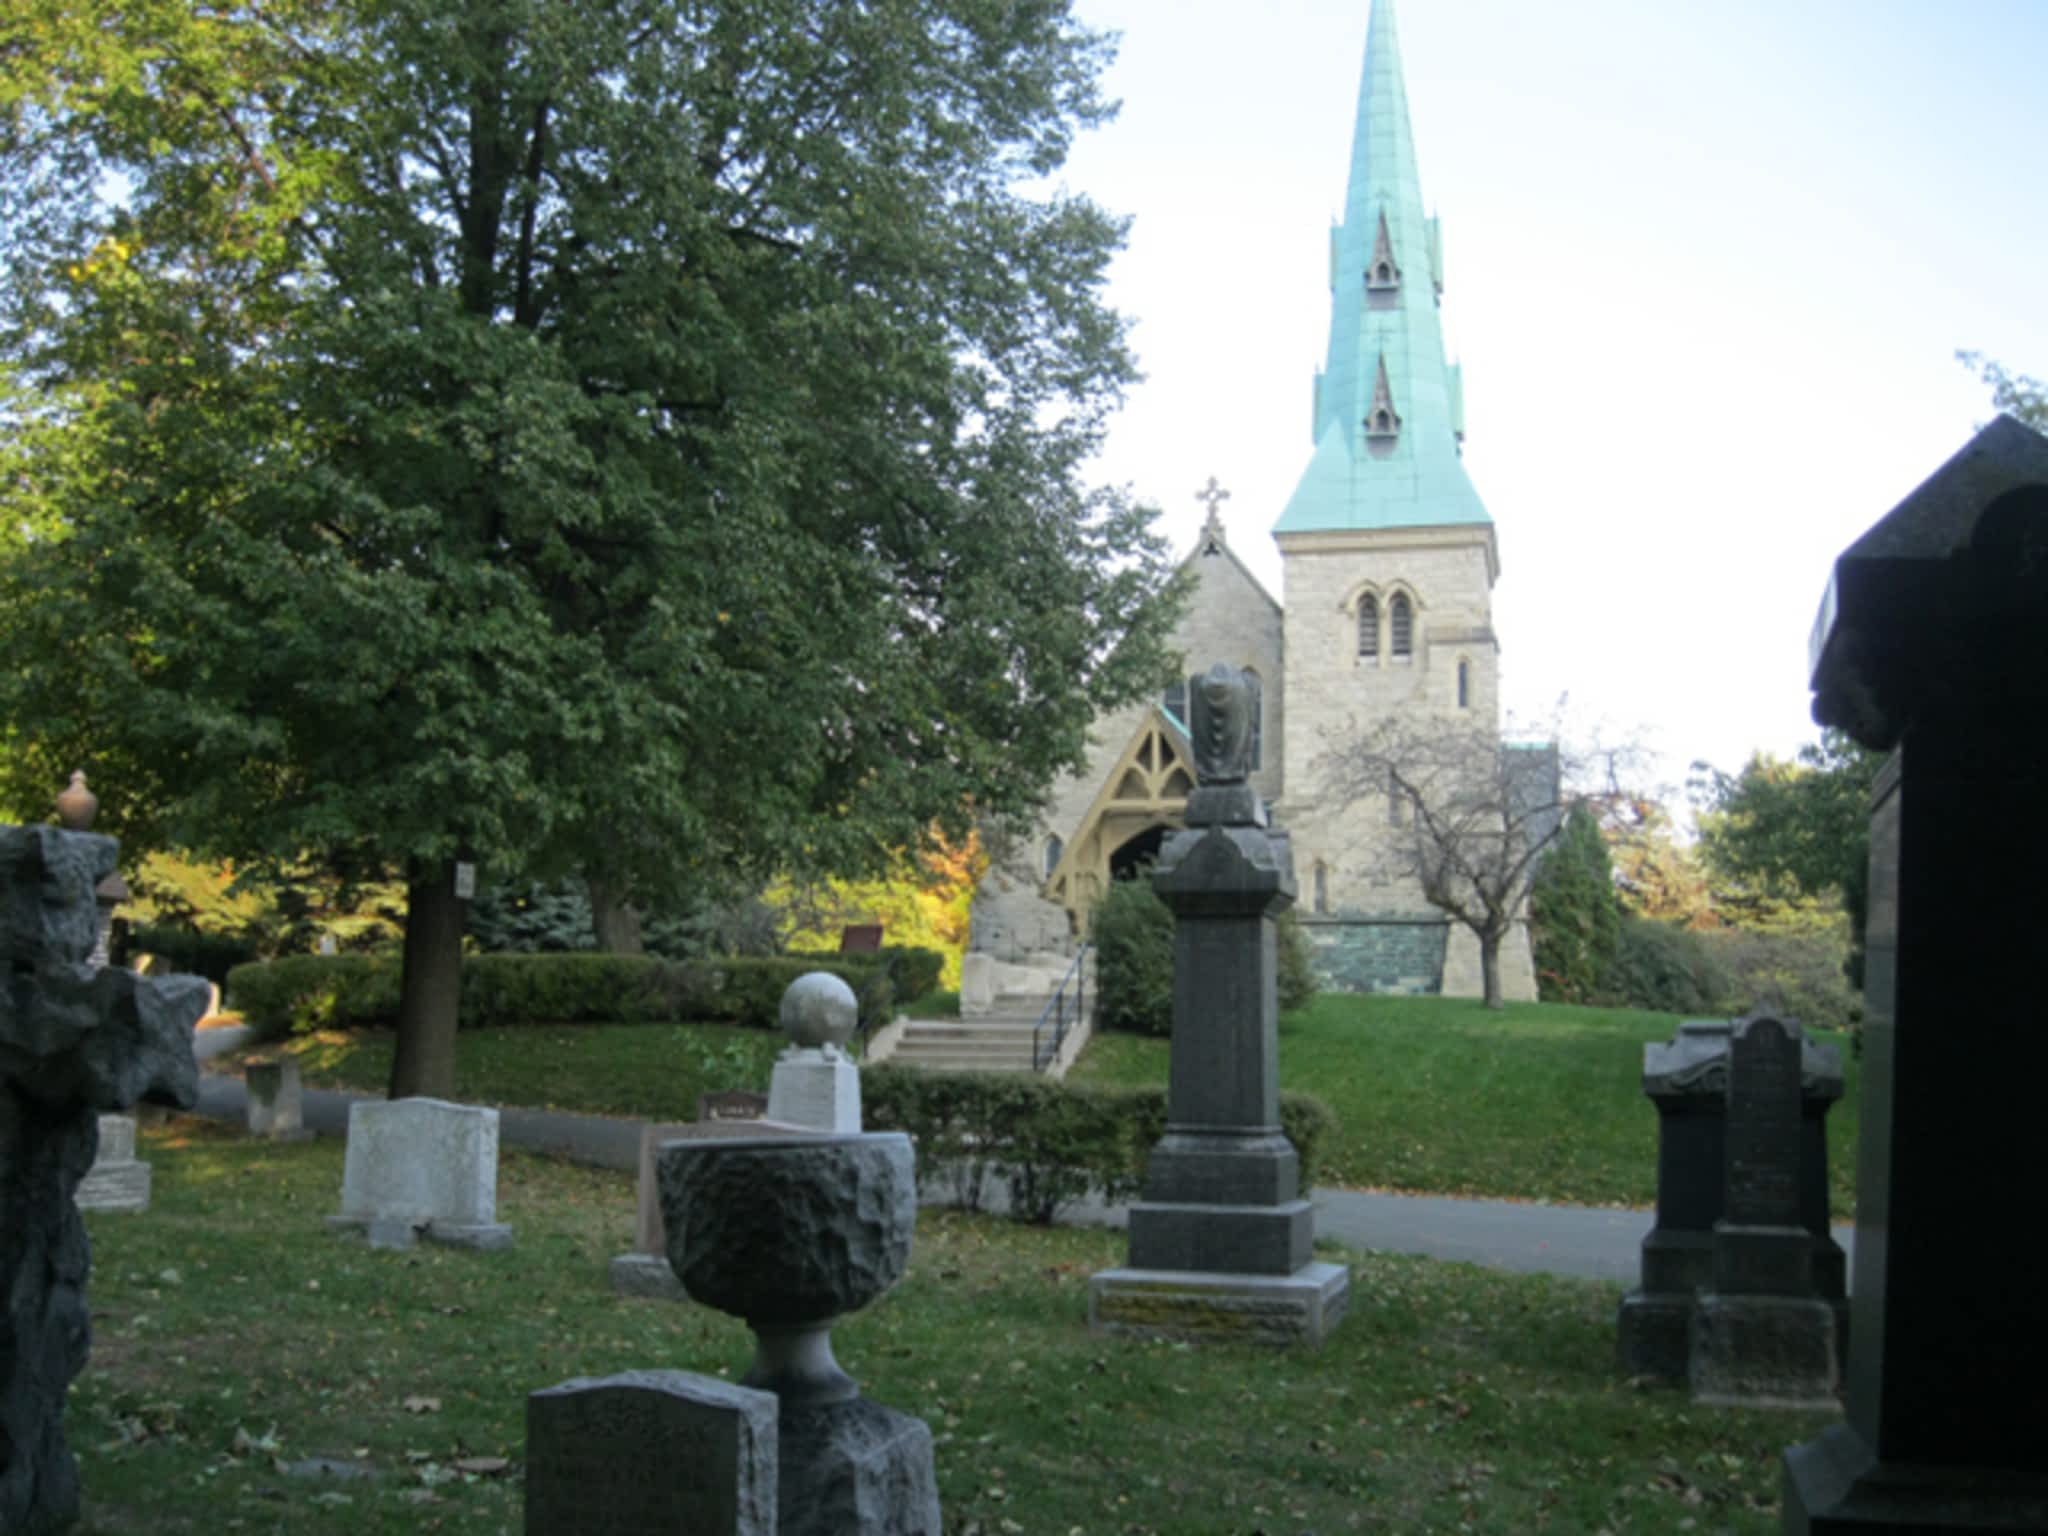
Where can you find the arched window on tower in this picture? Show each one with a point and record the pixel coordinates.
(1175, 698)
(1401, 624)
(1322, 887)
(1053, 849)
(1464, 685)
(1258, 715)
(1369, 628)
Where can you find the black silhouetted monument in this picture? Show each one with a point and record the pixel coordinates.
(1761, 1334)
(75, 1041)
(1220, 1243)
(1686, 1079)
(1932, 642)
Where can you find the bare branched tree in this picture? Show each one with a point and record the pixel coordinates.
(1444, 805)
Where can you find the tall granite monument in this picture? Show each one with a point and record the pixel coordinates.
(1220, 1243)
(75, 1041)
(1931, 643)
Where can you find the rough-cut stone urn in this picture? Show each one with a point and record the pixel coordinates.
(787, 1233)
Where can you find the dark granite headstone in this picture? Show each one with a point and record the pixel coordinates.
(1686, 1079)
(1222, 1191)
(1930, 641)
(651, 1453)
(1760, 1335)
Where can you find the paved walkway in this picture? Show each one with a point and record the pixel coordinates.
(1504, 1234)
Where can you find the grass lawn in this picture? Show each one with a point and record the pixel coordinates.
(1438, 1095)
(234, 1335)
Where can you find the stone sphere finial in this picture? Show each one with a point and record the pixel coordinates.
(819, 1009)
(77, 805)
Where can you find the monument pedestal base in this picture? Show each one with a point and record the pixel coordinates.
(646, 1274)
(1299, 1308)
(1836, 1486)
(1655, 1336)
(856, 1469)
(1764, 1352)
(1234, 1239)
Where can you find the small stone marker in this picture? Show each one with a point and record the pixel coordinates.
(422, 1166)
(645, 1270)
(116, 1181)
(276, 1101)
(1762, 1336)
(732, 1104)
(814, 1085)
(651, 1453)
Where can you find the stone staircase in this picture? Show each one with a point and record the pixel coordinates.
(996, 1042)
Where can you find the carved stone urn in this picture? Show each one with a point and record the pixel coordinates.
(787, 1233)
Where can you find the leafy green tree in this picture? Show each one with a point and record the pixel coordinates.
(1799, 830)
(2013, 393)
(1575, 913)
(641, 439)
(1132, 931)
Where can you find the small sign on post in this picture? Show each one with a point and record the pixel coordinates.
(465, 881)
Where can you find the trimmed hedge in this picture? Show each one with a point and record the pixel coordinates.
(187, 951)
(913, 971)
(308, 992)
(1049, 1142)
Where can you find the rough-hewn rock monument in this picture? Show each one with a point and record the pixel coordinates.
(74, 1041)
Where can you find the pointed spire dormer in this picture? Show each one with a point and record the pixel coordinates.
(1382, 422)
(1402, 469)
(1383, 273)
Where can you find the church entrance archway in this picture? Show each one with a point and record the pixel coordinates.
(1136, 855)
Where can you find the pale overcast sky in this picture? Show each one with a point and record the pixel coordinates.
(1706, 268)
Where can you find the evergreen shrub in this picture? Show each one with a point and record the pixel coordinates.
(1575, 915)
(1133, 939)
(1299, 985)
(1048, 1143)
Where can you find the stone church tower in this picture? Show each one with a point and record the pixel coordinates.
(1388, 555)
(1388, 565)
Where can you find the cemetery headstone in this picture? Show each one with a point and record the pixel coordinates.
(1760, 1333)
(117, 1179)
(1929, 645)
(276, 1101)
(1686, 1078)
(789, 1233)
(1220, 1243)
(75, 1042)
(422, 1168)
(651, 1453)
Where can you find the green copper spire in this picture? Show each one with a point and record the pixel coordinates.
(1388, 409)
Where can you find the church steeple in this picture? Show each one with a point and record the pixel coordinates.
(1388, 408)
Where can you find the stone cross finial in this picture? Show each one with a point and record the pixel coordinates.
(1213, 496)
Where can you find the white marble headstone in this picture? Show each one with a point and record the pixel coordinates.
(422, 1166)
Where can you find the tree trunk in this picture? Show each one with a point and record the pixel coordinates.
(615, 920)
(423, 1064)
(1489, 967)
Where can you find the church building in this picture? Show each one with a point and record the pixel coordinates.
(1388, 562)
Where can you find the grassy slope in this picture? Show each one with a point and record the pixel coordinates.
(1438, 1095)
(1432, 1095)
(1450, 1399)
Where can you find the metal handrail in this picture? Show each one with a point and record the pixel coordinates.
(1042, 1056)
